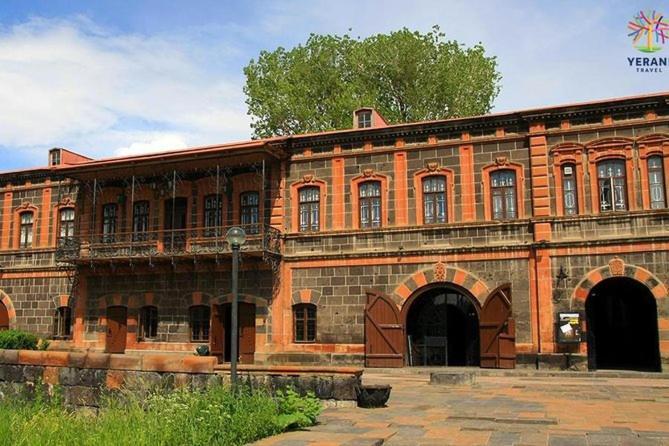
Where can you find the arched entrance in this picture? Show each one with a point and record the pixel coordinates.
(622, 331)
(442, 328)
(4, 317)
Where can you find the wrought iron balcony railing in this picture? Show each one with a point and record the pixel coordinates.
(260, 238)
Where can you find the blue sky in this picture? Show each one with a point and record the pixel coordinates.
(107, 78)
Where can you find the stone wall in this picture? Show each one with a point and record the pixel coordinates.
(85, 377)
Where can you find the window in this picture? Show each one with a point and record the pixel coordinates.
(54, 157)
(26, 230)
(656, 182)
(213, 215)
(569, 192)
(503, 187)
(612, 189)
(199, 323)
(434, 199)
(309, 209)
(370, 204)
(250, 211)
(148, 322)
(364, 119)
(108, 222)
(62, 323)
(304, 317)
(140, 221)
(66, 226)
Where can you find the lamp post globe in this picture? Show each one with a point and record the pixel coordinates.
(236, 236)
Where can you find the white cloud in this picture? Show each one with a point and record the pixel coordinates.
(70, 83)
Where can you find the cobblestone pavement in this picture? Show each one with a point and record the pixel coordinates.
(499, 410)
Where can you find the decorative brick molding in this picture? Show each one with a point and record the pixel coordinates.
(617, 268)
(503, 163)
(441, 274)
(434, 170)
(9, 305)
(369, 175)
(606, 149)
(306, 296)
(308, 180)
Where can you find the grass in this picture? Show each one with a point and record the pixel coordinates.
(215, 416)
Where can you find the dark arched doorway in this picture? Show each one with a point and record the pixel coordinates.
(442, 328)
(622, 330)
(4, 317)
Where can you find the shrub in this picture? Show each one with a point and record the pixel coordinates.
(297, 411)
(18, 340)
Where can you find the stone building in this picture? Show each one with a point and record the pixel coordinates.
(536, 237)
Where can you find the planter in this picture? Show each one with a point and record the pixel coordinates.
(370, 396)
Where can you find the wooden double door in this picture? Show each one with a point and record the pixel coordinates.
(221, 335)
(385, 331)
(117, 329)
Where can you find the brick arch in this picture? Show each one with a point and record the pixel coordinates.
(114, 300)
(149, 298)
(617, 268)
(306, 296)
(441, 274)
(9, 305)
(63, 300)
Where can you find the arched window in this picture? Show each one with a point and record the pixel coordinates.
(304, 322)
(140, 221)
(109, 222)
(503, 193)
(148, 322)
(369, 194)
(434, 199)
(66, 221)
(612, 189)
(656, 182)
(213, 215)
(199, 323)
(62, 323)
(26, 230)
(250, 211)
(569, 191)
(309, 208)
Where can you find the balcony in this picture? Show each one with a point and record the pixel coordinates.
(261, 240)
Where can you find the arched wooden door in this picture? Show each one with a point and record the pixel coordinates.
(498, 330)
(4, 317)
(117, 329)
(247, 332)
(384, 333)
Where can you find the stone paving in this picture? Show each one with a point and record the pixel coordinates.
(499, 410)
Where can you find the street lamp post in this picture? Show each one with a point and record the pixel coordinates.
(235, 238)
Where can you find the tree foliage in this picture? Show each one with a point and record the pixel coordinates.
(407, 76)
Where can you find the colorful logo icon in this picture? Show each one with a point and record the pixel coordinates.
(649, 31)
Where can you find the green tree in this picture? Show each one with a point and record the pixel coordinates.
(407, 76)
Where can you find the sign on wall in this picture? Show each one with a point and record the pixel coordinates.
(569, 328)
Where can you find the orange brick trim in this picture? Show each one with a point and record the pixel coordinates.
(9, 305)
(468, 196)
(306, 296)
(45, 217)
(25, 207)
(65, 203)
(401, 189)
(454, 275)
(503, 164)
(308, 181)
(434, 171)
(369, 175)
(62, 300)
(338, 211)
(568, 153)
(637, 273)
(6, 220)
(656, 144)
(611, 148)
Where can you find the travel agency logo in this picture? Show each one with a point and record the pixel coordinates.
(649, 31)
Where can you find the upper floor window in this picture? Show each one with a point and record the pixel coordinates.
(309, 208)
(62, 323)
(612, 188)
(140, 220)
(213, 215)
(656, 182)
(364, 119)
(26, 230)
(370, 204)
(199, 323)
(66, 231)
(304, 322)
(434, 199)
(569, 193)
(503, 187)
(250, 211)
(54, 157)
(108, 222)
(148, 322)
